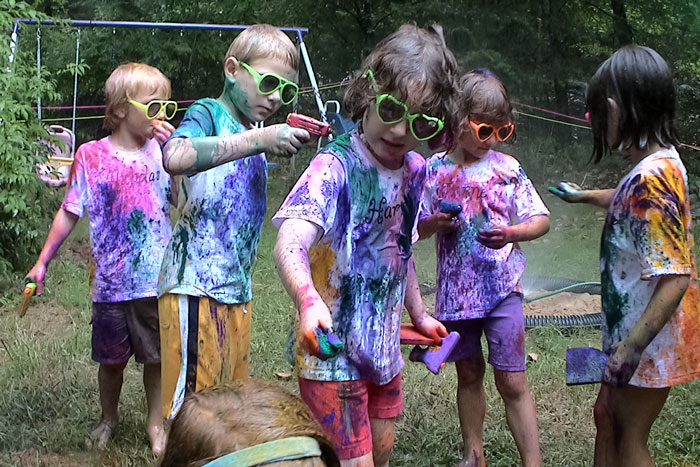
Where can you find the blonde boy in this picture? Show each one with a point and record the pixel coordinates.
(119, 180)
(205, 283)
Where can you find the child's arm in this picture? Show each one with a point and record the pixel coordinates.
(63, 224)
(530, 229)
(426, 324)
(624, 360)
(189, 156)
(291, 254)
(572, 193)
(438, 222)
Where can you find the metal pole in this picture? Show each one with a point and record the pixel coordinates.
(75, 78)
(312, 79)
(38, 69)
(13, 45)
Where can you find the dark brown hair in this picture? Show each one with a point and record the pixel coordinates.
(220, 420)
(416, 67)
(483, 98)
(639, 81)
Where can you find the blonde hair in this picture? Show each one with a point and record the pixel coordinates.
(264, 41)
(126, 81)
(223, 419)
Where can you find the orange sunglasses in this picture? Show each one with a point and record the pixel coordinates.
(484, 131)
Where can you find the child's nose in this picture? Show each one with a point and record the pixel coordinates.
(275, 96)
(400, 129)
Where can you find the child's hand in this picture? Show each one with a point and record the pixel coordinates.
(430, 327)
(162, 130)
(37, 274)
(622, 364)
(568, 191)
(496, 237)
(284, 140)
(442, 222)
(313, 314)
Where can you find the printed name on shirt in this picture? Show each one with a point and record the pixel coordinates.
(382, 210)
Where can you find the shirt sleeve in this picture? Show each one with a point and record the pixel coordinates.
(428, 197)
(315, 196)
(526, 201)
(76, 190)
(197, 122)
(659, 227)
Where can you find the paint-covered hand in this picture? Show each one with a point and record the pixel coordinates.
(622, 363)
(283, 140)
(37, 274)
(162, 130)
(568, 191)
(496, 237)
(314, 314)
(430, 327)
(441, 222)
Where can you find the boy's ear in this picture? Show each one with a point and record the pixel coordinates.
(231, 65)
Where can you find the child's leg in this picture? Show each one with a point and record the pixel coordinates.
(111, 348)
(624, 417)
(471, 398)
(520, 414)
(504, 328)
(471, 406)
(382, 440)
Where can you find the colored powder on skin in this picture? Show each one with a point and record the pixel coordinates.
(235, 99)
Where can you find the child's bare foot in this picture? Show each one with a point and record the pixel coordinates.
(156, 434)
(100, 435)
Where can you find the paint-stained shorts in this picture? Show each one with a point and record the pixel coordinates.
(344, 409)
(504, 327)
(203, 343)
(123, 329)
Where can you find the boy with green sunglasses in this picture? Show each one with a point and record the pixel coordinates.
(205, 281)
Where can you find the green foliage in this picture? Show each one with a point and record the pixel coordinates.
(24, 201)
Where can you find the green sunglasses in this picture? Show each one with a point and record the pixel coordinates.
(155, 107)
(268, 83)
(390, 110)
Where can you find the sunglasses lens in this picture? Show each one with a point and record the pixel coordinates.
(484, 132)
(170, 109)
(390, 111)
(269, 84)
(289, 92)
(424, 128)
(504, 132)
(153, 109)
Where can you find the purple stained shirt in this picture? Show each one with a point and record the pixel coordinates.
(126, 197)
(494, 191)
(368, 215)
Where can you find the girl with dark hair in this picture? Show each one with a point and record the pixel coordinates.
(651, 329)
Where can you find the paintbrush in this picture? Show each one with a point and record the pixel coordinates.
(585, 365)
(29, 291)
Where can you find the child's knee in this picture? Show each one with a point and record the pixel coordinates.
(512, 385)
(470, 372)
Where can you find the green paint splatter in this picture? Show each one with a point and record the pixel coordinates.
(138, 234)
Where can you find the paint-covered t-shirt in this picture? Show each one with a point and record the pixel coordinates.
(493, 191)
(647, 234)
(221, 212)
(368, 216)
(126, 197)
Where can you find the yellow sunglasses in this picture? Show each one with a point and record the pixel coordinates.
(155, 107)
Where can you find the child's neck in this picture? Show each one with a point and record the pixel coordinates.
(461, 156)
(234, 99)
(127, 141)
(635, 155)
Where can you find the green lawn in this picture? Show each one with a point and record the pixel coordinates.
(48, 387)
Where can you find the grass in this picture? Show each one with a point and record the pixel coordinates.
(48, 387)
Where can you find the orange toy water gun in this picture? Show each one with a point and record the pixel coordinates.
(313, 126)
(29, 291)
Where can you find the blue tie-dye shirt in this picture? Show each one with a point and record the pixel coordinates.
(368, 215)
(221, 212)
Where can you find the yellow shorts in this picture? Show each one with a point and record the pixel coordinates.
(203, 343)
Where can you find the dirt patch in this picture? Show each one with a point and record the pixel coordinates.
(36, 458)
(79, 253)
(561, 304)
(44, 319)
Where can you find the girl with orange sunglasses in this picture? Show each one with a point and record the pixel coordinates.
(479, 262)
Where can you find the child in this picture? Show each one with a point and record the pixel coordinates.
(121, 183)
(241, 421)
(651, 328)
(204, 288)
(344, 248)
(480, 263)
